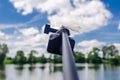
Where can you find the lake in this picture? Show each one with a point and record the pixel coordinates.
(54, 72)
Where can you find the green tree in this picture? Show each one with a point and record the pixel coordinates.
(42, 59)
(19, 58)
(117, 57)
(95, 51)
(104, 50)
(32, 58)
(50, 58)
(112, 51)
(93, 56)
(57, 59)
(79, 57)
(3, 51)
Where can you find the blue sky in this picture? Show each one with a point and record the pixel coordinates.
(22, 21)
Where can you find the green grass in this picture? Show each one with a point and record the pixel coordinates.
(6, 61)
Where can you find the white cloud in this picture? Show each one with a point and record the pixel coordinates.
(4, 36)
(29, 31)
(25, 39)
(92, 43)
(117, 46)
(27, 6)
(7, 26)
(119, 26)
(88, 14)
(20, 25)
(23, 3)
(87, 45)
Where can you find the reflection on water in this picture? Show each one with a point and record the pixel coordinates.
(95, 67)
(19, 67)
(54, 72)
(2, 72)
(31, 67)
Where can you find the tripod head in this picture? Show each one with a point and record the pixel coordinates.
(55, 40)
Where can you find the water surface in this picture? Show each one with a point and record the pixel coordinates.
(54, 72)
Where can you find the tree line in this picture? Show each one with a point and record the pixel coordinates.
(110, 55)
